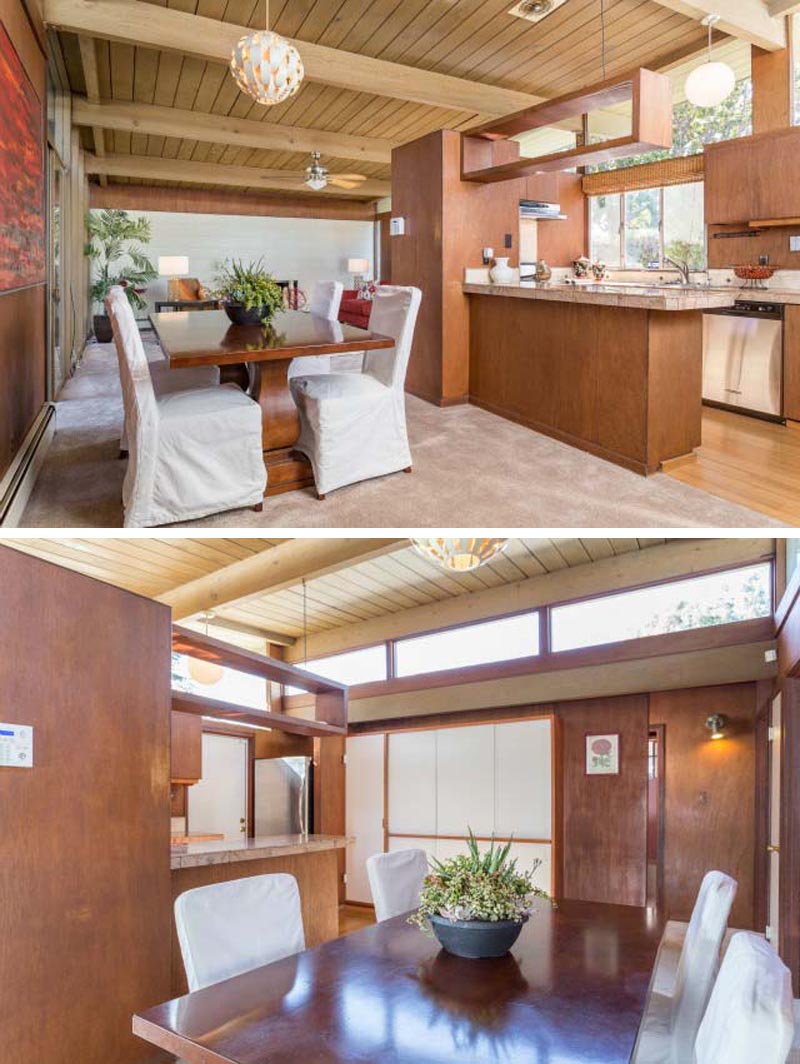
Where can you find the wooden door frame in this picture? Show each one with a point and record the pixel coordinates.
(789, 880)
(766, 690)
(660, 731)
(250, 777)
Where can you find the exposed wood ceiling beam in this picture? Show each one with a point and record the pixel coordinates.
(169, 30)
(274, 569)
(156, 169)
(777, 8)
(88, 51)
(269, 635)
(749, 19)
(610, 574)
(224, 129)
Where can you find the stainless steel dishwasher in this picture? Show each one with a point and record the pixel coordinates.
(743, 358)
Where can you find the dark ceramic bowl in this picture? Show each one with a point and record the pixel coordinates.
(476, 938)
(239, 315)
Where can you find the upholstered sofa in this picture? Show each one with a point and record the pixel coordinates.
(355, 311)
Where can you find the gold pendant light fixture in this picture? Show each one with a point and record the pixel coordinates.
(266, 66)
(459, 555)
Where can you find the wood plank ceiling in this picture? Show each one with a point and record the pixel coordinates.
(473, 39)
(372, 588)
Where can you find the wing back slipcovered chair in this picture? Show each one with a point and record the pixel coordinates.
(325, 300)
(164, 379)
(192, 453)
(225, 929)
(749, 1016)
(395, 880)
(353, 425)
(669, 1028)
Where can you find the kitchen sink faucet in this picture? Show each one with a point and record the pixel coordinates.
(682, 266)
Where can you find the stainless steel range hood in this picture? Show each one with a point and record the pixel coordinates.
(540, 209)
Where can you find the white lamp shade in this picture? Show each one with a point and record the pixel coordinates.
(709, 84)
(357, 265)
(173, 265)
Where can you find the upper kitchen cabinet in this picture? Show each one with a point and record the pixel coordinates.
(186, 760)
(748, 179)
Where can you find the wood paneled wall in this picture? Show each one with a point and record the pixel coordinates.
(772, 89)
(710, 795)
(448, 222)
(225, 201)
(329, 796)
(605, 817)
(84, 849)
(22, 312)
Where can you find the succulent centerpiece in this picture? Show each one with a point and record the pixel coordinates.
(476, 903)
(250, 295)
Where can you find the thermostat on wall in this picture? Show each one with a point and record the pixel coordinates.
(16, 745)
(397, 226)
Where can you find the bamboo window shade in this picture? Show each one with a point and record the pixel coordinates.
(678, 171)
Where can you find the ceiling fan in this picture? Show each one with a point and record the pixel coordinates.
(318, 176)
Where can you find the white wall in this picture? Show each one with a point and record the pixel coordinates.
(309, 249)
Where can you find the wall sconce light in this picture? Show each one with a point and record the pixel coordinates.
(716, 725)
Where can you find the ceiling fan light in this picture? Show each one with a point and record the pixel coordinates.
(316, 182)
(709, 84)
(266, 67)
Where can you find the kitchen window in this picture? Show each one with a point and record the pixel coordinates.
(470, 644)
(637, 230)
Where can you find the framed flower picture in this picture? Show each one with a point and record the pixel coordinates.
(602, 755)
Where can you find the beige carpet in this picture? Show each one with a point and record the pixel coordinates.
(471, 470)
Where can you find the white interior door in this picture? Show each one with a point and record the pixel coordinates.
(363, 810)
(218, 803)
(774, 818)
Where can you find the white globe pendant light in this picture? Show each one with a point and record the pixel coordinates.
(266, 66)
(710, 83)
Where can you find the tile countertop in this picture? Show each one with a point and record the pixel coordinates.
(194, 854)
(635, 297)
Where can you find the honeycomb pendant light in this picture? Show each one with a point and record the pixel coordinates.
(266, 66)
(460, 555)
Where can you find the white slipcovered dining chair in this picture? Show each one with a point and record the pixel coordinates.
(353, 425)
(670, 1023)
(749, 1019)
(395, 880)
(326, 298)
(192, 453)
(164, 379)
(225, 929)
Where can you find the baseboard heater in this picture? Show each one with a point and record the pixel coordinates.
(17, 483)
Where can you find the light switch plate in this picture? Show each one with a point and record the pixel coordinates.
(16, 745)
(794, 243)
(397, 226)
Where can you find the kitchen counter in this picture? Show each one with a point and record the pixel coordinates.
(196, 854)
(634, 297)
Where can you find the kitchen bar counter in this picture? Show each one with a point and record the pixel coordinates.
(197, 854)
(633, 297)
(316, 862)
(615, 371)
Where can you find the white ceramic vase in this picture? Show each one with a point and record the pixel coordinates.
(501, 272)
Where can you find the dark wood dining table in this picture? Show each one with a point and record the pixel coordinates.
(572, 989)
(263, 355)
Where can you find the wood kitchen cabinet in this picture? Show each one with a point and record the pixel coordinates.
(186, 752)
(791, 362)
(749, 179)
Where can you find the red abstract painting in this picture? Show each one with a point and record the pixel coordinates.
(22, 220)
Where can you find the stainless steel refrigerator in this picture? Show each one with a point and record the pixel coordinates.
(283, 793)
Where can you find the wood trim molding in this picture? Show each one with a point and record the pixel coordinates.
(749, 20)
(723, 635)
(183, 702)
(789, 889)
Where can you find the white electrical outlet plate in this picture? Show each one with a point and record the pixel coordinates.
(16, 745)
(770, 655)
(794, 243)
(397, 226)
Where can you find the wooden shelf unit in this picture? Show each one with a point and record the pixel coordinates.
(330, 698)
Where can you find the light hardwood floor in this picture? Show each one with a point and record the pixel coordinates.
(751, 462)
(354, 917)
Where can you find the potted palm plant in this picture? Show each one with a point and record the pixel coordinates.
(476, 903)
(115, 247)
(249, 293)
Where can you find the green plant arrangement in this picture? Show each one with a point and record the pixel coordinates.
(250, 294)
(472, 892)
(115, 248)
